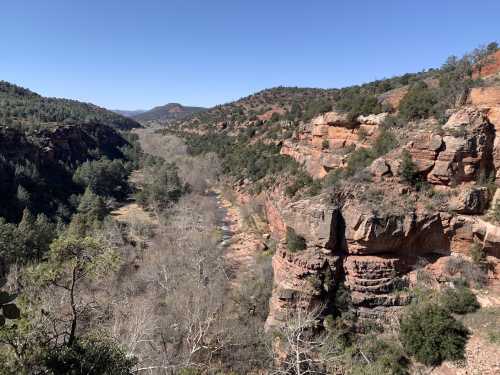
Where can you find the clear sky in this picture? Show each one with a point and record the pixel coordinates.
(132, 54)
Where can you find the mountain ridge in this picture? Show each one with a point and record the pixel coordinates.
(167, 112)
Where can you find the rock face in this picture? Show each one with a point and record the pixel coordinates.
(300, 281)
(375, 250)
(492, 67)
(377, 285)
(463, 153)
(480, 96)
(393, 97)
(372, 254)
(323, 144)
(367, 232)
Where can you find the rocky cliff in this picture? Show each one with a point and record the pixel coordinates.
(377, 237)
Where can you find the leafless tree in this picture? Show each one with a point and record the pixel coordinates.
(301, 346)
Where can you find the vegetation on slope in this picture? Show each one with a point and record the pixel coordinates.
(22, 107)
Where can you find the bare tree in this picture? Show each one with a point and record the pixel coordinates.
(301, 346)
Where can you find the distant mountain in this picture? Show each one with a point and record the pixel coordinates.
(171, 111)
(128, 113)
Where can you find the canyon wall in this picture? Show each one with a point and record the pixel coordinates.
(375, 239)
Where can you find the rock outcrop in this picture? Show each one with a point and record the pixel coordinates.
(462, 153)
(324, 143)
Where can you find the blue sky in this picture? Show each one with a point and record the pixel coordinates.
(131, 54)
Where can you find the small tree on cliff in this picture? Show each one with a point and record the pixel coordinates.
(408, 168)
(294, 241)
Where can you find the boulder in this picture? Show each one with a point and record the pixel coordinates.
(380, 168)
(470, 201)
(467, 151)
(334, 118)
(373, 119)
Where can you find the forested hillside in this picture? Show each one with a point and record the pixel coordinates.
(22, 107)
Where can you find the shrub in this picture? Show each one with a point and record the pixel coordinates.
(459, 300)
(385, 142)
(294, 242)
(385, 357)
(316, 107)
(472, 273)
(408, 168)
(418, 103)
(325, 145)
(430, 334)
(89, 357)
(333, 178)
(163, 188)
(492, 47)
(358, 160)
(357, 103)
(477, 253)
(300, 181)
(495, 213)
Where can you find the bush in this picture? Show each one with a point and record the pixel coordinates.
(358, 160)
(495, 213)
(385, 357)
(300, 181)
(333, 178)
(430, 334)
(477, 253)
(357, 103)
(471, 273)
(492, 47)
(362, 157)
(294, 242)
(418, 103)
(459, 300)
(88, 357)
(408, 168)
(325, 145)
(385, 142)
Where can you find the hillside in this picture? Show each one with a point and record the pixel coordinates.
(42, 143)
(22, 107)
(166, 113)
